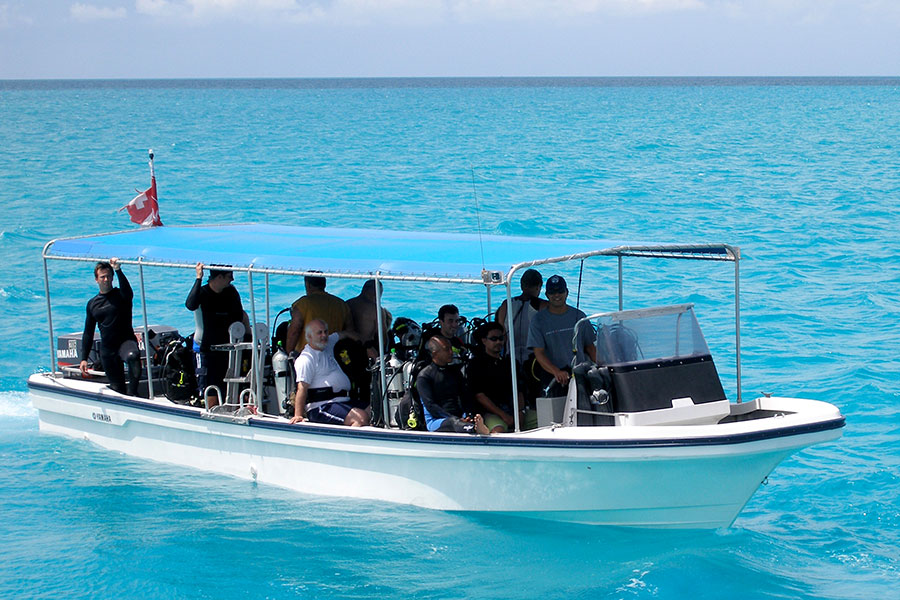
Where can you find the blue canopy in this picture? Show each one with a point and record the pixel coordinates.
(355, 252)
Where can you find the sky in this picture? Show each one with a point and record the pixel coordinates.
(62, 39)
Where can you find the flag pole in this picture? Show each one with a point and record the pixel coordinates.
(152, 174)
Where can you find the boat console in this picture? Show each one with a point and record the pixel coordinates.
(654, 367)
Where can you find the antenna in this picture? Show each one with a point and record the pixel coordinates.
(477, 217)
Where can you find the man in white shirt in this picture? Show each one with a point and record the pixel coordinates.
(323, 389)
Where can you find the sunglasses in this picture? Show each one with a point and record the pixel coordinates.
(496, 338)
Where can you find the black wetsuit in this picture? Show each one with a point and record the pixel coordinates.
(111, 312)
(444, 397)
(217, 313)
(493, 378)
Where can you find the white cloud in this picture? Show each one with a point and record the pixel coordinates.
(555, 9)
(159, 8)
(12, 16)
(89, 12)
(370, 12)
(406, 11)
(246, 10)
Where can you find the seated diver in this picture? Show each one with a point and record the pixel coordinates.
(489, 377)
(448, 325)
(442, 391)
(323, 389)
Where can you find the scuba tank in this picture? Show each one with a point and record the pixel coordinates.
(282, 371)
(394, 372)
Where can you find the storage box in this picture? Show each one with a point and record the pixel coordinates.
(550, 410)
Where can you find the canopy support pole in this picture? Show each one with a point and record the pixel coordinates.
(737, 321)
(268, 310)
(379, 321)
(53, 364)
(255, 366)
(146, 331)
(580, 276)
(511, 336)
(621, 303)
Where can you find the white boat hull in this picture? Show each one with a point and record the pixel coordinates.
(696, 476)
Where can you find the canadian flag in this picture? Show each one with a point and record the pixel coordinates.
(143, 208)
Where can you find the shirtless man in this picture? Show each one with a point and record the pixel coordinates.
(363, 309)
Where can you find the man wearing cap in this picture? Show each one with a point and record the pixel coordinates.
(220, 306)
(550, 336)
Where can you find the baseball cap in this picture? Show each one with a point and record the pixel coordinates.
(556, 284)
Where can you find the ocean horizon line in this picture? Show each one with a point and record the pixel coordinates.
(450, 81)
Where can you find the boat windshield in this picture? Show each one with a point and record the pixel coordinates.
(665, 333)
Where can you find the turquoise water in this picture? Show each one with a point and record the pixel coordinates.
(804, 176)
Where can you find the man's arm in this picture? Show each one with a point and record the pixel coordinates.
(424, 388)
(300, 402)
(193, 298)
(500, 317)
(293, 332)
(349, 324)
(87, 339)
(562, 377)
(386, 320)
(536, 343)
(124, 286)
(586, 333)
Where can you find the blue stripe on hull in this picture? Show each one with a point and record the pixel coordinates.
(391, 435)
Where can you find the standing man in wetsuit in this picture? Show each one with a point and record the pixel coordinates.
(110, 310)
(220, 306)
